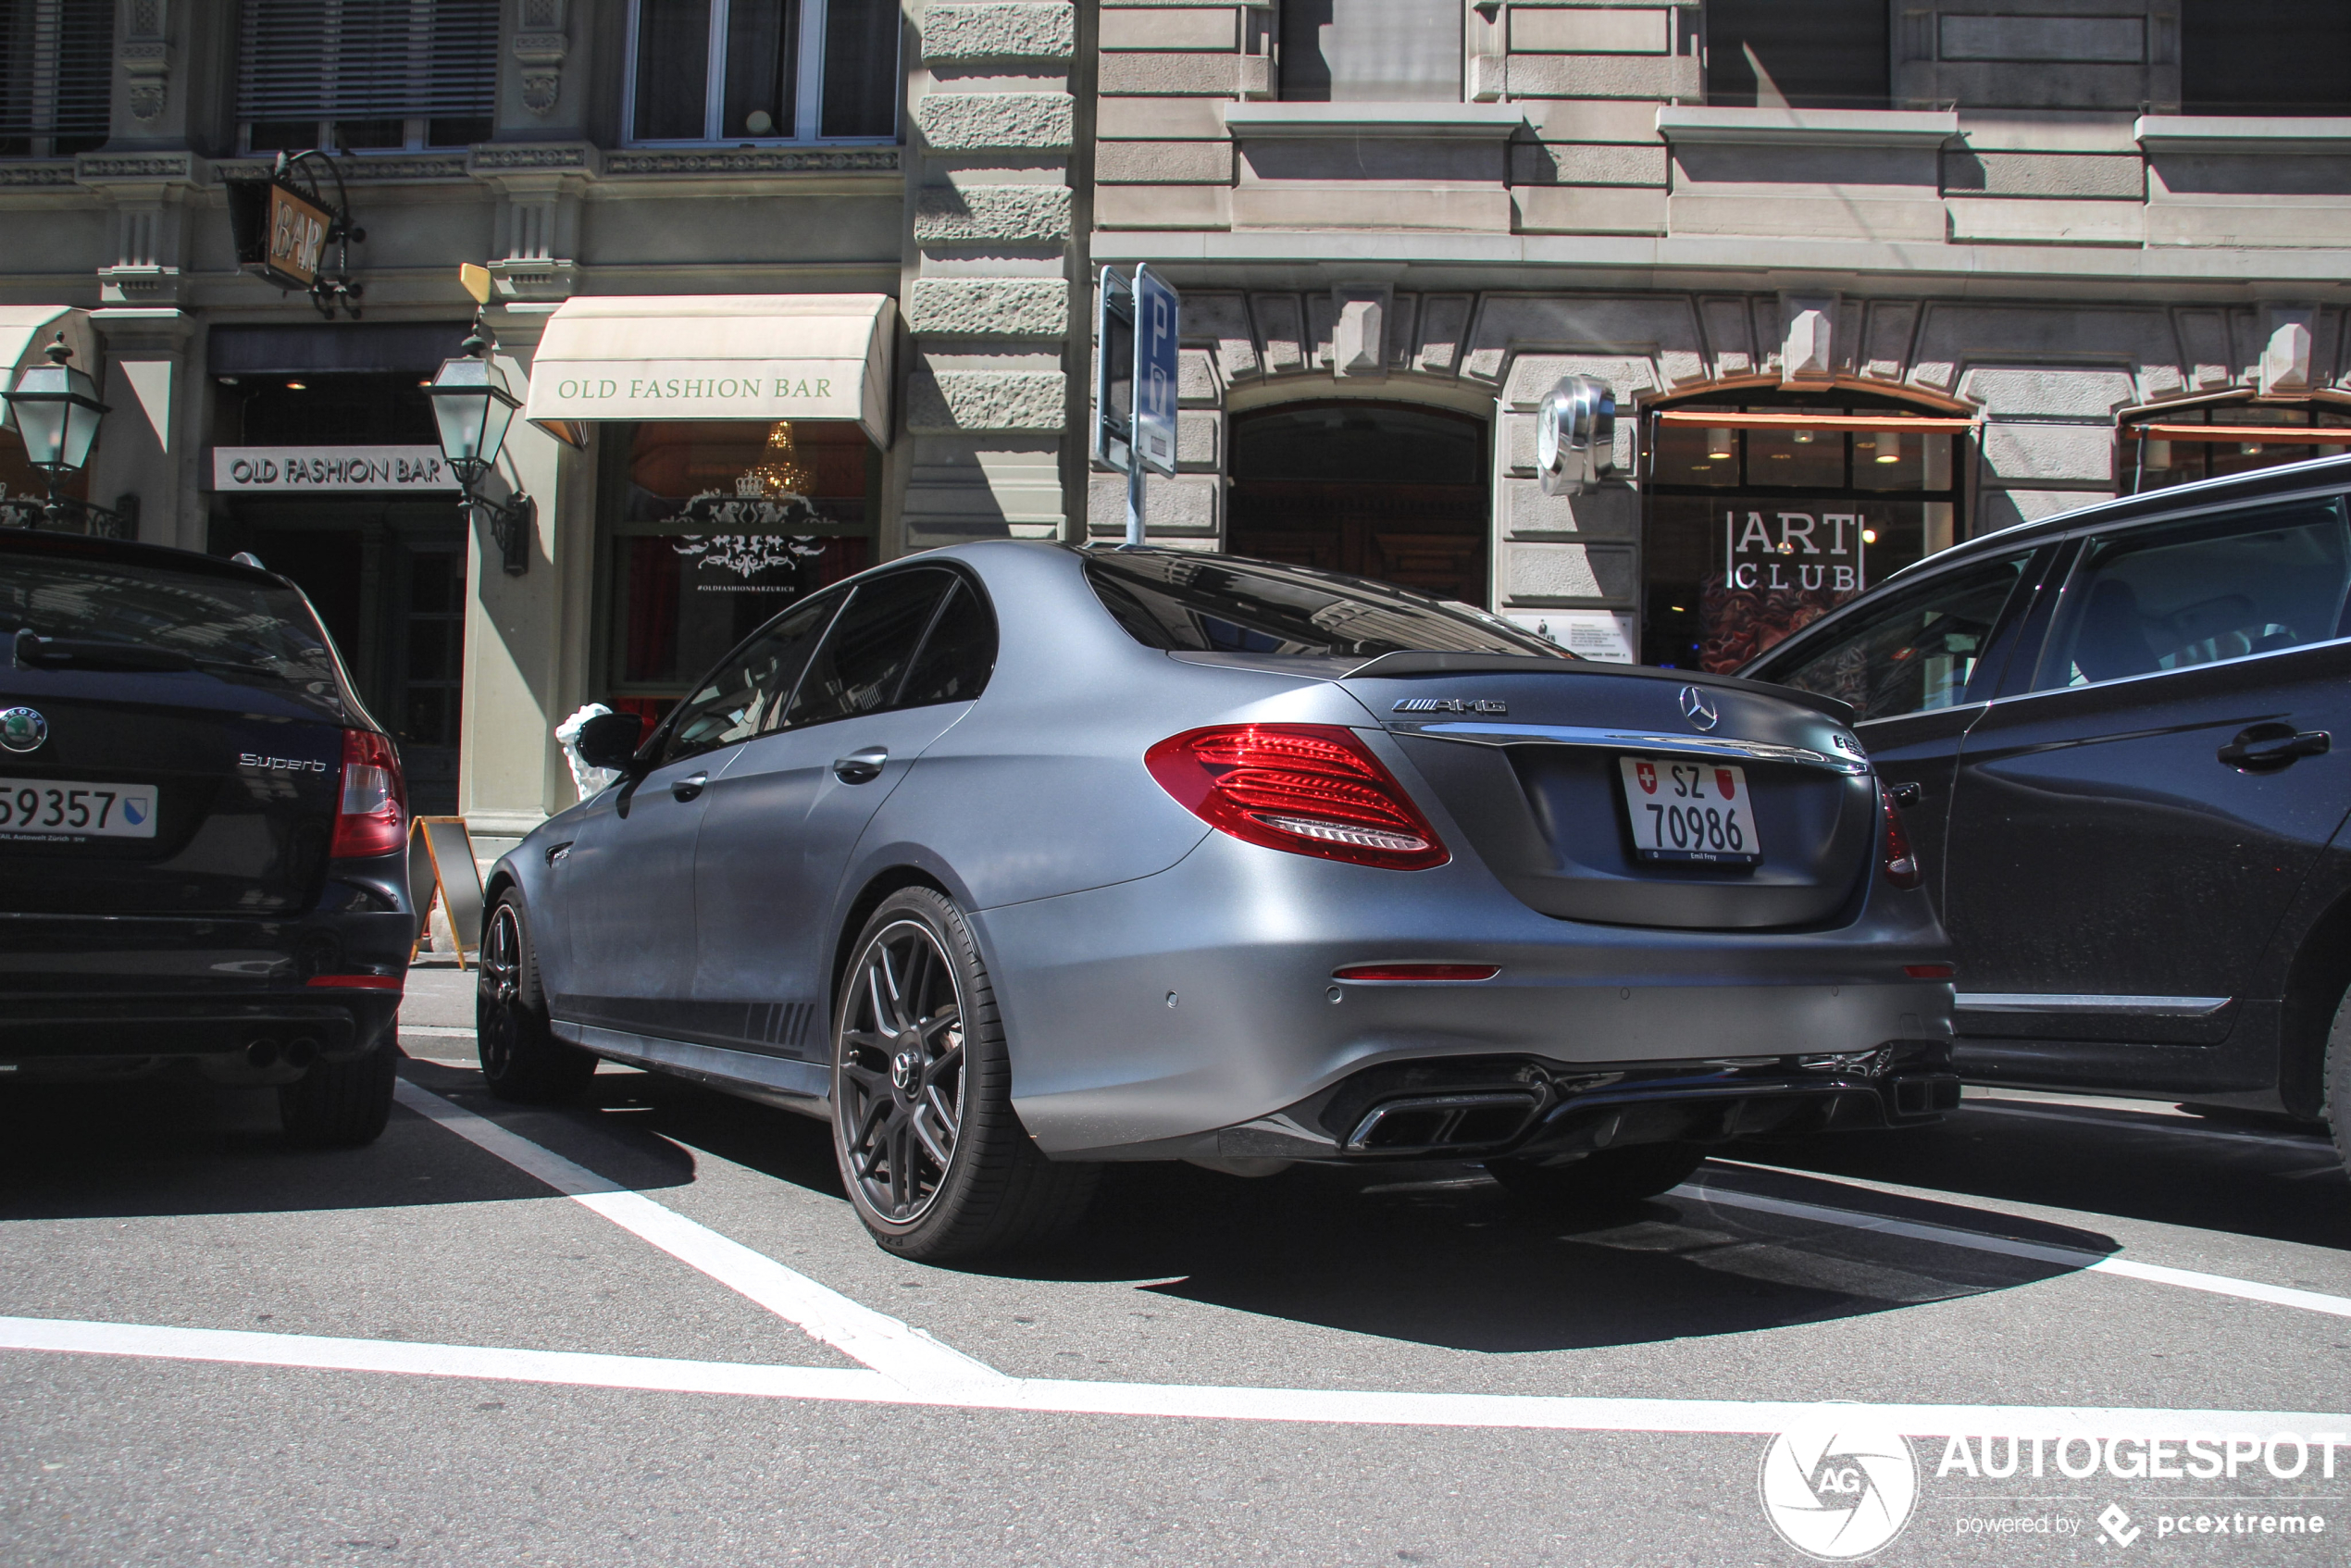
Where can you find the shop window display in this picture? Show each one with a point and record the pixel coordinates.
(1752, 532)
(722, 528)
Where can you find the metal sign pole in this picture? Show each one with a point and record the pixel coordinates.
(1134, 498)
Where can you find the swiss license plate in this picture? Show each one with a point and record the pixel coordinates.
(1690, 810)
(61, 810)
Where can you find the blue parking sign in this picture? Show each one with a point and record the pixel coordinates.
(1156, 308)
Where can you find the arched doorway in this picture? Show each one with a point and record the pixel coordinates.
(1763, 510)
(1386, 491)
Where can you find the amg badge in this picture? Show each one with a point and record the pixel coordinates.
(1450, 705)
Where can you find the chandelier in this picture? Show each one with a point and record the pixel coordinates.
(769, 497)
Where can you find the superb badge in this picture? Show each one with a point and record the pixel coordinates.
(23, 729)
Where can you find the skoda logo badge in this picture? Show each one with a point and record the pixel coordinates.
(1698, 708)
(22, 729)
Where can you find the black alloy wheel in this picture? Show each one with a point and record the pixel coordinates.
(521, 1059)
(931, 1152)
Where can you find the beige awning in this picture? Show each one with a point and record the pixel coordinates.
(26, 332)
(716, 357)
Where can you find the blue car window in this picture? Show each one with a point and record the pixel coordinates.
(957, 655)
(2149, 601)
(865, 656)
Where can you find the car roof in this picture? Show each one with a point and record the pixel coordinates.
(86, 548)
(2285, 479)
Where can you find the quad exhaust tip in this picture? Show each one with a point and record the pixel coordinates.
(1443, 1122)
(265, 1053)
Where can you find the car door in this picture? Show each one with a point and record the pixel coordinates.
(2130, 825)
(1917, 666)
(627, 878)
(898, 666)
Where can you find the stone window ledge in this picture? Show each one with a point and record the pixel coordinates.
(1390, 121)
(1809, 128)
(2242, 134)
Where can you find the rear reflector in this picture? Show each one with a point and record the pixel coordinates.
(357, 982)
(371, 818)
(1902, 867)
(1417, 972)
(1310, 789)
(1929, 971)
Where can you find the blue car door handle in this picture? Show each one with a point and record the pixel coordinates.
(861, 766)
(2266, 748)
(686, 789)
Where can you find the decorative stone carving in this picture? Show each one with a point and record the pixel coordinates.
(146, 59)
(1359, 334)
(1808, 352)
(540, 46)
(2286, 359)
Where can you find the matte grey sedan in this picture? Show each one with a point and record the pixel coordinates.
(1013, 859)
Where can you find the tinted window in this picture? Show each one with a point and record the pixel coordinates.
(219, 623)
(740, 698)
(2161, 599)
(1219, 605)
(2265, 56)
(1814, 55)
(858, 669)
(1915, 652)
(958, 654)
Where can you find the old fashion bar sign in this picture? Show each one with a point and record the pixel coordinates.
(318, 470)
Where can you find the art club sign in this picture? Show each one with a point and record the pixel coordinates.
(1783, 568)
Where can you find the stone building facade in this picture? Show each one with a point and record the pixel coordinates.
(1902, 271)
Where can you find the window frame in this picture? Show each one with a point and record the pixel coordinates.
(2025, 678)
(808, 88)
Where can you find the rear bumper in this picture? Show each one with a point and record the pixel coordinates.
(115, 996)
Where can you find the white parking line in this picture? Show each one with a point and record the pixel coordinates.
(2146, 1124)
(2064, 1257)
(1053, 1396)
(892, 1348)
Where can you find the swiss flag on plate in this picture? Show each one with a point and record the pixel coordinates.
(1722, 781)
(1648, 775)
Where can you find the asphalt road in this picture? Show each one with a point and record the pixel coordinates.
(647, 1329)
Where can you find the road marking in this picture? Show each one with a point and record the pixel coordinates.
(2073, 1258)
(893, 1349)
(1054, 1396)
(2113, 1123)
(437, 1031)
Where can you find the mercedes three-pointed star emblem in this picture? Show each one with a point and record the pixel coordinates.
(1700, 709)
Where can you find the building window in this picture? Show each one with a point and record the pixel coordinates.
(2162, 447)
(695, 564)
(2265, 56)
(1798, 54)
(57, 67)
(1371, 51)
(367, 75)
(762, 70)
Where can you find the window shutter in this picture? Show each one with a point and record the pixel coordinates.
(368, 60)
(56, 69)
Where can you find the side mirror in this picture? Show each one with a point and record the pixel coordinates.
(1576, 435)
(611, 740)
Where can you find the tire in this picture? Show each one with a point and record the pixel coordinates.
(340, 1105)
(933, 1157)
(521, 1059)
(2335, 1086)
(1610, 1179)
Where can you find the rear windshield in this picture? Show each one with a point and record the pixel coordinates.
(1222, 604)
(218, 623)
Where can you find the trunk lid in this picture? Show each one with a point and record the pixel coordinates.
(1529, 756)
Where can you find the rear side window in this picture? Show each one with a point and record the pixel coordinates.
(957, 657)
(865, 656)
(1914, 652)
(1219, 605)
(219, 624)
(2154, 599)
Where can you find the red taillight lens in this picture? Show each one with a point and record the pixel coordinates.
(1417, 972)
(1310, 789)
(1929, 971)
(357, 982)
(1902, 867)
(372, 816)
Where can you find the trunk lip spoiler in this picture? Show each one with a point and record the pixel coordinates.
(1719, 747)
(1401, 664)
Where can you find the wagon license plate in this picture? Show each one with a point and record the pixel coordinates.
(61, 810)
(1691, 811)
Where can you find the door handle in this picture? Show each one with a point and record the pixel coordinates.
(861, 766)
(686, 789)
(2266, 748)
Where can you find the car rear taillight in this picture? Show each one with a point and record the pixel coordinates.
(1310, 789)
(1902, 867)
(371, 818)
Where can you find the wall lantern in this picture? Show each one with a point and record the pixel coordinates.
(473, 407)
(57, 411)
(1576, 435)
